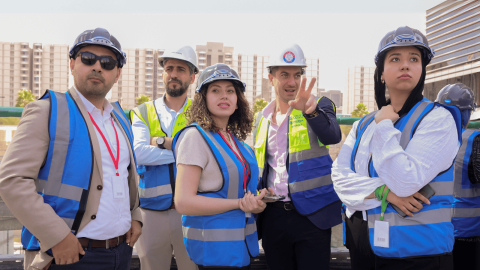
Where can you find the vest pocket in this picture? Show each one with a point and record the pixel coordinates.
(298, 140)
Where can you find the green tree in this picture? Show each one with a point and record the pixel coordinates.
(259, 104)
(360, 111)
(24, 97)
(142, 99)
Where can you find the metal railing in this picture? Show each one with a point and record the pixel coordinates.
(17, 112)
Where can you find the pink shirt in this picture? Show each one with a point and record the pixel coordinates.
(277, 178)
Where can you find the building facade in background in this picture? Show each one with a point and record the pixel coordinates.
(453, 31)
(137, 77)
(252, 70)
(336, 96)
(15, 71)
(35, 68)
(50, 68)
(312, 70)
(43, 67)
(360, 89)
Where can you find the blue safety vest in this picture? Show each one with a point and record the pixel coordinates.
(228, 239)
(64, 179)
(310, 185)
(157, 182)
(466, 202)
(430, 231)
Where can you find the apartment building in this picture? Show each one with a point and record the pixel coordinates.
(453, 31)
(54, 68)
(360, 89)
(35, 68)
(251, 69)
(43, 67)
(15, 71)
(336, 96)
(311, 71)
(138, 77)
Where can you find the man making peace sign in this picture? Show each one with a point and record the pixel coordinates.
(290, 138)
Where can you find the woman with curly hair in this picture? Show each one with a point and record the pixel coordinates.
(217, 174)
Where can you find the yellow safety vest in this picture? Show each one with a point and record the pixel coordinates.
(309, 163)
(157, 183)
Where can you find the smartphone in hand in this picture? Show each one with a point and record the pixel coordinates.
(274, 197)
(427, 191)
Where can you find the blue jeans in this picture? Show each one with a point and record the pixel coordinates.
(117, 258)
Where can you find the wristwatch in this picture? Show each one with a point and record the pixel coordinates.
(312, 114)
(161, 142)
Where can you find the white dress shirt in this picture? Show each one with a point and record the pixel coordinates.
(148, 154)
(113, 215)
(431, 151)
(277, 177)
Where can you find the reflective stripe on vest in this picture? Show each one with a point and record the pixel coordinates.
(430, 231)
(309, 170)
(156, 184)
(466, 204)
(64, 180)
(230, 232)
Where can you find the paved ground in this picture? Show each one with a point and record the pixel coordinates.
(340, 260)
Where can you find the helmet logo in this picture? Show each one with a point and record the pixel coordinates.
(448, 101)
(289, 57)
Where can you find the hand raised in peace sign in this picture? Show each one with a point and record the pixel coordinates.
(304, 101)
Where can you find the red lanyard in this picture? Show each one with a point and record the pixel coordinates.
(242, 160)
(115, 162)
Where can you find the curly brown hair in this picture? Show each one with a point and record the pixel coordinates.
(239, 123)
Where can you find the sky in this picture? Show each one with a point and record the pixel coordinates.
(341, 34)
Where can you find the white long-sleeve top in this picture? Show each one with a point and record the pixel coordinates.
(431, 151)
(148, 154)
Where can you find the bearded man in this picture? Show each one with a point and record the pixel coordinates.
(154, 125)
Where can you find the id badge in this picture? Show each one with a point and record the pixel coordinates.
(118, 187)
(248, 214)
(381, 234)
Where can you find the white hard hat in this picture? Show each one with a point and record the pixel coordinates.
(186, 54)
(289, 56)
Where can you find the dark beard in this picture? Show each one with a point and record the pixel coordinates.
(94, 90)
(178, 91)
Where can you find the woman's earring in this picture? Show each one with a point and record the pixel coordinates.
(383, 81)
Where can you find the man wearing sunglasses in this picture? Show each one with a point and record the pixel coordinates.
(154, 125)
(69, 173)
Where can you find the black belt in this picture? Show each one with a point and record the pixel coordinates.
(109, 243)
(287, 206)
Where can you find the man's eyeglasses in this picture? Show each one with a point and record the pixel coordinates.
(106, 62)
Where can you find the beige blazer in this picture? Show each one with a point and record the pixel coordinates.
(21, 164)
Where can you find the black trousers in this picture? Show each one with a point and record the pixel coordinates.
(466, 253)
(291, 241)
(363, 258)
(116, 258)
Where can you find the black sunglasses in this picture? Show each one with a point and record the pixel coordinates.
(106, 62)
